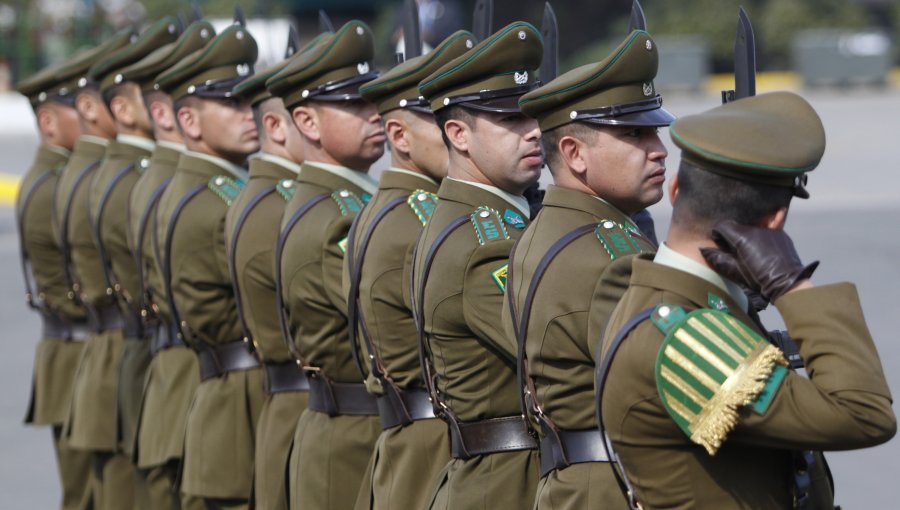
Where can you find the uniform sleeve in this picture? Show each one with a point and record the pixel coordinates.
(484, 295)
(608, 291)
(845, 403)
(333, 262)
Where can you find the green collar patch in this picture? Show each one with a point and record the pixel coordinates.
(225, 188)
(513, 219)
(286, 188)
(488, 225)
(342, 244)
(347, 201)
(422, 204)
(708, 367)
(617, 240)
(499, 277)
(717, 303)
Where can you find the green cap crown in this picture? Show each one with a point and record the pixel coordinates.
(44, 86)
(143, 72)
(254, 87)
(492, 75)
(399, 87)
(213, 70)
(74, 73)
(339, 61)
(617, 90)
(771, 139)
(107, 71)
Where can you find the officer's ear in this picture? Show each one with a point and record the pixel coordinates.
(458, 133)
(189, 121)
(47, 121)
(306, 118)
(162, 116)
(673, 188)
(87, 106)
(121, 110)
(274, 126)
(396, 130)
(572, 151)
(775, 220)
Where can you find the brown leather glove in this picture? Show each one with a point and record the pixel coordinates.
(761, 259)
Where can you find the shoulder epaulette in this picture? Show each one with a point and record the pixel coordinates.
(709, 366)
(57, 170)
(225, 188)
(422, 204)
(348, 202)
(142, 165)
(286, 188)
(617, 240)
(489, 226)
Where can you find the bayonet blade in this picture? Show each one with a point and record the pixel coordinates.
(637, 21)
(325, 24)
(412, 40)
(550, 33)
(293, 43)
(483, 19)
(196, 13)
(239, 18)
(744, 58)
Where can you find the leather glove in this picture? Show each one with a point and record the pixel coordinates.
(763, 260)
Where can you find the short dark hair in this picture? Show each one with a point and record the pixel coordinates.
(705, 198)
(550, 140)
(457, 113)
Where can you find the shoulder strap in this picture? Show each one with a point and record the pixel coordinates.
(232, 262)
(520, 324)
(489, 225)
(347, 201)
(71, 277)
(139, 245)
(286, 188)
(422, 204)
(418, 300)
(225, 188)
(31, 289)
(165, 260)
(354, 313)
(112, 283)
(284, 322)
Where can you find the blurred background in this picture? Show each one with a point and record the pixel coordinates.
(841, 55)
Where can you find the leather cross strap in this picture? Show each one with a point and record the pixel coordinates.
(217, 360)
(72, 280)
(146, 299)
(504, 434)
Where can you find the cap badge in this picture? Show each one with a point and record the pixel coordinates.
(243, 69)
(648, 88)
(191, 89)
(403, 103)
(648, 45)
(82, 81)
(362, 67)
(521, 78)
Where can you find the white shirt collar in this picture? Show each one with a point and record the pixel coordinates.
(62, 151)
(136, 141)
(95, 139)
(671, 258)
(517, 201)
(235, 171)
(408, 172)
(278, 160)
(366, 183)
(171, 145)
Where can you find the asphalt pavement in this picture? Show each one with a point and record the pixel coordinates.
(851, 224)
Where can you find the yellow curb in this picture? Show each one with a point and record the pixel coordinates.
(765, 82)
(9, 187)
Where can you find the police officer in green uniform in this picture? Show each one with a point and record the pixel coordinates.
(699, 403)
(251, 233)
(413, 446)
(459, 271)
(219, 134)
(172, 375)
(342, 136)
(599, 124)
(63, 319)
(92, 421)
(110, 191)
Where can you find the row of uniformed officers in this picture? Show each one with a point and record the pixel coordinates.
(299, 336)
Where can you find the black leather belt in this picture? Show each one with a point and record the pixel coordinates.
(335, 399)
(285, 376)
(110, 316)
(413, 405)
(506, 434)
(562, 448)
(58, 328)
(220, 359)
(165, 336)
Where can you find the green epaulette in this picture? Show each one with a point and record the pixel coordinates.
(286, 188)
(709, 366)
(617, 239)
(422, 204)
(489, 225)
(225, 188)
(348, 202)
(142, 165)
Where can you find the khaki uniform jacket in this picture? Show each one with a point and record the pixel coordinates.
(581, 285)
(845, 403)
(406, 458)
(254, 259)
(93, 422)
(473, 355)
(56, 359)
(173, 374)
(109, 207)
(330, 453)
(221, 423)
